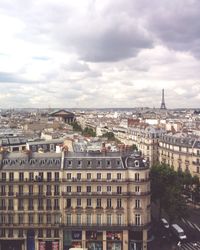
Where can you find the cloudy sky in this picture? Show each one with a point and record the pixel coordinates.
(99, 53)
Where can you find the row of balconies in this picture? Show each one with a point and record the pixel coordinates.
(77, 225)
(80, 180)
(56, 208)
(30, 195)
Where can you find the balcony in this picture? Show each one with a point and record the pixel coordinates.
(56, 208)
(3, 208)
(196, 163)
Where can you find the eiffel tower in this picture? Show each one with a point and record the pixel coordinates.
(163, 100)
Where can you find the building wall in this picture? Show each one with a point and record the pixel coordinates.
(56, 196)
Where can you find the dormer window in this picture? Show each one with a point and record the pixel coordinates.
(70, 163)
(137, 163)
(89, 163)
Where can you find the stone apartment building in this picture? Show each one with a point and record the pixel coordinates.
(56, 201)
(180, 152)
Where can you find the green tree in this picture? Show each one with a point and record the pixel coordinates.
(76, 126)
(89, 132)
(166, 187)
(109, 135)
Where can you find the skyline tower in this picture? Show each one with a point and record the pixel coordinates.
(163, 106)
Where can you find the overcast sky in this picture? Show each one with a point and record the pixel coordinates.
(103, 53)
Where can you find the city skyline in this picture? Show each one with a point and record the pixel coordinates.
(104, 54)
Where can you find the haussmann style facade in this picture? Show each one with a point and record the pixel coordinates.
(56, 201)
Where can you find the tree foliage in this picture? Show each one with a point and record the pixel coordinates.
(168, 187)
(109, 135)
(89, 132)
(76, 126)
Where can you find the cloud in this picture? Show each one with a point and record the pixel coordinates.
(109, 53)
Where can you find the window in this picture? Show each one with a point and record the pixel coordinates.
(137, 203)
(137, 189)
(109, 203)
(119, 203)
(78, 176)
(137, 176)
(10, 233)
(48, 219)
(119, 219)
(56, 175)
(2, 232)
(41, 176)
(88, 188)
(70, 163)
(56, 233)
(56, 204)
(109, 219)
(79, 219)
(30, 218)
(57, 218)
(48, 233)
(10, 204)
(108, 163)
(40, 218)
(20, 204)
(49, 176)
(109, 176)
(56, 190)
(197, 169)
(69, 189)
(21, 176)
(99, 189)
(11, 176)
(20, 233)
(89, 202)
(3, 190)
(109, 189)
(89, 219)
(30, 190)
(69, 176)
(98, 203)
(99, 219)
(31, 176)
(78, 189)
(49, 204)
(119, 190)
(98, 176)
(40, 204)
(20, 218)
(138, 219)
(21, 189)
(30, 204)
(40, 190)
(119, 176)
(2, 218)
(69, 219)
(89, 163)
(3, 176)
(48, 190)
(89, 176)
(10, 218)
(78, 202)
(68, 203)
(40, 233)
(10, 190)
